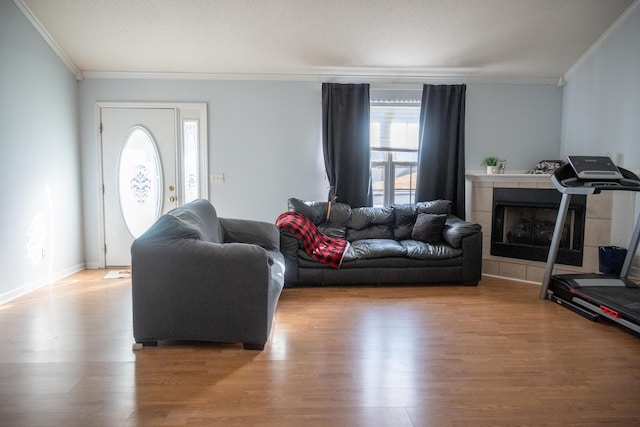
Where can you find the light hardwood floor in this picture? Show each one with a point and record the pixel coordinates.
(339, 356)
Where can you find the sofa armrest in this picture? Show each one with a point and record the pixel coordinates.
(263, 234)
(457, 229)
(472, 258)
(289, 245)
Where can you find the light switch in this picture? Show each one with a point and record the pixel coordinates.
(217, 178)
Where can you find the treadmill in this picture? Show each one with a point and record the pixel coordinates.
(593, 295)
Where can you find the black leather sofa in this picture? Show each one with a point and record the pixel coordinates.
(198, 277)
(384, 246)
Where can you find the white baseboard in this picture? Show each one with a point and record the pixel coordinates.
(93, 265)
(35, 285)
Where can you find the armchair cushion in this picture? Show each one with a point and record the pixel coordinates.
(263, 234)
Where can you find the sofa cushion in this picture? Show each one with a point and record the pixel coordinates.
(422, 250)
(429, 227)
(434, 207)
(364, 217)
(374, 248)
(370, 223)
(331, 218)
(404, 217)
(336, 223)
(371, 232)
(315, 211)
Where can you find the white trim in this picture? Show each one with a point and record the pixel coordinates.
(48, 38)
(196, 111)
(33, 286)
(511, 278)
(370, 75)
(100, 190)
(604, 38)
(201, 107)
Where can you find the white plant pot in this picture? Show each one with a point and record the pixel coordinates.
(492, 170)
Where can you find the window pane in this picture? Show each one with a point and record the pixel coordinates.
(374, 134)
(404, 156)
(378, 183)
(405, 183)
(190, 167)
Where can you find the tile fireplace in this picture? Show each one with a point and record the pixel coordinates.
(597, 225)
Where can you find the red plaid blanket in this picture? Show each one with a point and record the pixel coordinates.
(328, 250)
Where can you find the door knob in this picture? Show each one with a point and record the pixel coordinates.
(172, 199)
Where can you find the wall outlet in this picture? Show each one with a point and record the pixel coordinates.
(217, 178)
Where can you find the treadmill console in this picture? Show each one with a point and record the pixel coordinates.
(592, 174)
(594, 167)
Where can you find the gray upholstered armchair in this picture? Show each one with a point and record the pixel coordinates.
(199, 277)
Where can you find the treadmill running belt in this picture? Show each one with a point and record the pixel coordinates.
(600, 282)
(625, 301)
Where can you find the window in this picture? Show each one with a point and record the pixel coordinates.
(394, 151)
(193, 159)
(190, 160)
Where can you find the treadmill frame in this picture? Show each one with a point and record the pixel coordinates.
(565, 180)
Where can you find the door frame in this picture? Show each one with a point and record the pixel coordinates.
(183, 111)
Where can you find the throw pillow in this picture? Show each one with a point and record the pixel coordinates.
(429, 227)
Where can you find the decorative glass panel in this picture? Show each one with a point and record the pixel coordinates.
(139, 181)
(190, 156)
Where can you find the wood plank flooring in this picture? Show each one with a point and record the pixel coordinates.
(490, 355)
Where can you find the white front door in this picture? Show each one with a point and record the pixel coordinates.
(139, 147)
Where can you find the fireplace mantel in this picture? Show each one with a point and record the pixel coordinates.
(508, 177)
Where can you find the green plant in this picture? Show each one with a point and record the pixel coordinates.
(490, 161)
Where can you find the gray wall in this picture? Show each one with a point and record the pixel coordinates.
(601, 108)
(265, 136)
(40, 218)
(519, 123)
(601, 115)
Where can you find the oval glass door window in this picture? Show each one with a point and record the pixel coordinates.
(139, 181)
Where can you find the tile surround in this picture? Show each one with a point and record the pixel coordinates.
(597, 227)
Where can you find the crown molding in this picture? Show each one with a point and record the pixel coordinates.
(35, 22)
(604, 38)
(388, 76)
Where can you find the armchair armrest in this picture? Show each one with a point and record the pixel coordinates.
(259, 233)
(197, 290)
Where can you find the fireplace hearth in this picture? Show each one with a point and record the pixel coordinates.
(524, 221)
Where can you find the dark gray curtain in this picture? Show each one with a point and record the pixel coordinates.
(441, 167)
(345, 142)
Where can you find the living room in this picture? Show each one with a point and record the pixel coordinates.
(265, 136)
(257, 121)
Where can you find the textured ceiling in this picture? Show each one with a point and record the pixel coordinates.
(509, 39)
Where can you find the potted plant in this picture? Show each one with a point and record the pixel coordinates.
(491, 163)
